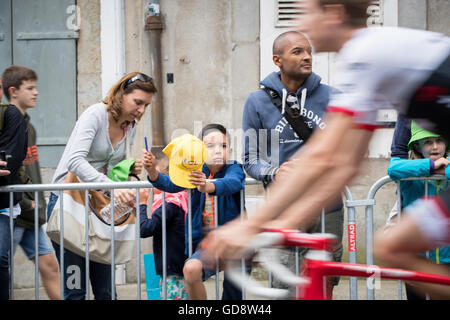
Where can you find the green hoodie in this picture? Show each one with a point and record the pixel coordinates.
(30, 173)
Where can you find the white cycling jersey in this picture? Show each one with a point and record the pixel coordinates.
(407, 70)
(382, 68)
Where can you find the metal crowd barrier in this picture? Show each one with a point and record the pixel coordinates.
(105, 186)
(369, 204)
(350, 204)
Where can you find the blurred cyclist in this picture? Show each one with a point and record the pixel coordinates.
(378, 68)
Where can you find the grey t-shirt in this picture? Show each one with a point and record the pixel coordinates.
(89, 153)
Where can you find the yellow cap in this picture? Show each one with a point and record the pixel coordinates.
(186, 153)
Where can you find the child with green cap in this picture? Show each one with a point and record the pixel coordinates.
(428, 156)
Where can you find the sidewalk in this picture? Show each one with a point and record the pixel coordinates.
(388, 291)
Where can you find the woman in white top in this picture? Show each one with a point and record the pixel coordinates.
(98, 142)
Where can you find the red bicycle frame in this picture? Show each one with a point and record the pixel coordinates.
(315, 269)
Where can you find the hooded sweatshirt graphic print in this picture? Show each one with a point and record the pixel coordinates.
(269, 140)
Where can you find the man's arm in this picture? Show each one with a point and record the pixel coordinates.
(402, 135)
(13, 141)
(255, 143)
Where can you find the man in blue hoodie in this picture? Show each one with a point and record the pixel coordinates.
(270, 142)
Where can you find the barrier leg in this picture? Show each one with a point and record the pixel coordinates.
(11, 249)
(164, 247)
(36, 246)
(138, 245)
(113, 249)
(86, 239)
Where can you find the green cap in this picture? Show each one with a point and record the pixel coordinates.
(121, 171)
(417, 133)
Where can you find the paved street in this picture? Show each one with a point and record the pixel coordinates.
(388, 291)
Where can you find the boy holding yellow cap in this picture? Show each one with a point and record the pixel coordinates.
(191, 162)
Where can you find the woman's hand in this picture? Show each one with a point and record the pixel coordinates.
(137, 167)
(125, 196)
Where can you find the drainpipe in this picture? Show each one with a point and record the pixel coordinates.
(154, 25)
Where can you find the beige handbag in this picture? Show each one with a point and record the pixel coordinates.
(74, 208)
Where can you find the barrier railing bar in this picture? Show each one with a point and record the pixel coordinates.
(36, 247)
(61, 244)
(164, 247)
(113, 250)
(216, 224)
(427, 297)
(369, 233)
(138, 244)
(86, 239)
(243, 213)
(351, 221)
(134, 184)
(399, 209)
(189, 192)
(11, 243)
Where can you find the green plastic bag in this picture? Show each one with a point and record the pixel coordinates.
(121, 171)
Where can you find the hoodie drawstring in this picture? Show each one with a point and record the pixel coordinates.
(303, 100)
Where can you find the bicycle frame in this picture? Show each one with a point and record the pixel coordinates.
(317, 270)
(316, 266)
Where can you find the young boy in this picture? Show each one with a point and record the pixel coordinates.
(19, 87)
(176, 209)
(24, 234)
(230, 181)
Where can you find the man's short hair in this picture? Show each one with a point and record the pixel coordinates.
(278, 42)
(356, 10)
(13, 76)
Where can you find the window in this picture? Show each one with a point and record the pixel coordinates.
(288, 11)
(375, 14)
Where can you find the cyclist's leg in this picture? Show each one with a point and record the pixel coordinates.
(424, 226)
